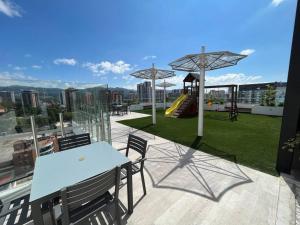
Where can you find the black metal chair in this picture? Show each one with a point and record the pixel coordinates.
(74, 141)
(83, 199)
(139, 145)
(124, 109)
(18, 210)
(11, 209)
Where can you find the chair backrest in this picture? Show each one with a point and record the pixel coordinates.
(74, 141)
(136, 143)
(86, 191)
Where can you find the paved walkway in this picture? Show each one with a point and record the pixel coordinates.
(188, 187)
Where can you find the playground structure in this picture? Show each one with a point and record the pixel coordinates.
(187, 103)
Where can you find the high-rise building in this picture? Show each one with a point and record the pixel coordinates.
(62, 98)
(7, 97)
(159, 95)
(67, 97)
(30, 99)
(70, 98)
(254, 93)
(88, 98)
(144, 91)
(116, 97)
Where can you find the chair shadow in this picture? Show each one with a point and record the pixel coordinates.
(107, 216)
(197, 164)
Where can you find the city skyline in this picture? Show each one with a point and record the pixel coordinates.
(104, 42)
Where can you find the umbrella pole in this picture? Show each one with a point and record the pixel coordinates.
(165, 97)
(153, 96)
(201, 93)
(153, 101)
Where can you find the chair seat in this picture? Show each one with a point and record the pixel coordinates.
(84, 210)
(135, 169)
(16, 212)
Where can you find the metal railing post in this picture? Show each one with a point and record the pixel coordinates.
(35, 141)
(102, 135)
(97, 131)
(108, 129)
(61, 121)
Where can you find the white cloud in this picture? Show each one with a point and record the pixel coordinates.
(9, 8)
(17, 78)
(178, 79)
(37, 67)
(65, 61)
(276, 3)
(130, 86)
(247, 51)
(104, 67)
(19, 68)
(232, 78)
(149, 57)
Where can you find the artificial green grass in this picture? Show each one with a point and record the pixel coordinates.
(252, 140)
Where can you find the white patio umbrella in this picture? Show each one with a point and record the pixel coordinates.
(153, 74)
(204, 62)
(165, 85)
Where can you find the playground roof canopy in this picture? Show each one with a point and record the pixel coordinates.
(191, 77)
(195, 76)
(213, 60)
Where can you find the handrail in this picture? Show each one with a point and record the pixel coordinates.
(17, 178)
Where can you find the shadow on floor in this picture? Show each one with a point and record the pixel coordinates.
(107, 216)
(173, 166)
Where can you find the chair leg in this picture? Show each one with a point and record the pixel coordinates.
(117, 210)
(143, 182)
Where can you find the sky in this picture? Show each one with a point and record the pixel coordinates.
(103, 42)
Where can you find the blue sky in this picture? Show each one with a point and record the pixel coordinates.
(104, 41)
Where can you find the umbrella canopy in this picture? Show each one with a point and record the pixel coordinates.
(204, 62)
(165, 85)
(153, 74)
(212, 61)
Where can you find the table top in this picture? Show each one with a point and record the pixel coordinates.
(56, 171)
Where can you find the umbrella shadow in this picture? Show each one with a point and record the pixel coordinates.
(192, 171)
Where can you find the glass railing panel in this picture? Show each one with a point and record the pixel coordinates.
(55, 109)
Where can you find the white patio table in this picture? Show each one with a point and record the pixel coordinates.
(56, 171)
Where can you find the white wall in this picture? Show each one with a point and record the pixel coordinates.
(214, 107)
(140, 106)
(267, 110)
(255, 109)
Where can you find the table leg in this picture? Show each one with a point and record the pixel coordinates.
(36, 213)
(129, 189)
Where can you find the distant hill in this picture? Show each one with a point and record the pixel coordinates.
(17, 89)
(55, 91)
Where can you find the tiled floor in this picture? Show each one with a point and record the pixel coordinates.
(185, 186)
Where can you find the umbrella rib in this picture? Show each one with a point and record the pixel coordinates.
(195, 63)
(215, 60)
(179, 61)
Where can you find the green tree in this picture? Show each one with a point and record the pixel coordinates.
(270, 95)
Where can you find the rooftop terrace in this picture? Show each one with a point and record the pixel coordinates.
(187, 186)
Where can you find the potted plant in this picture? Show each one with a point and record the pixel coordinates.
(293, 145)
